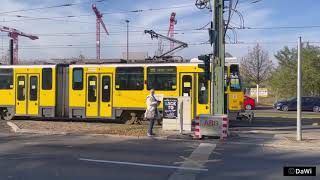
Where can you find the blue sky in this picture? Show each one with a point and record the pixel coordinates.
(54, 41)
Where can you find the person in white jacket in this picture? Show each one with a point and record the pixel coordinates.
(152, 112)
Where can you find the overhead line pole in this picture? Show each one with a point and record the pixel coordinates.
(218, 81)
(213, 11)
(299, 133)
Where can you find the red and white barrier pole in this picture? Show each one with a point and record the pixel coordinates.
(197, 133)
(225, 128)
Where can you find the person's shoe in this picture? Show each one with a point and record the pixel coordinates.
(149, 135)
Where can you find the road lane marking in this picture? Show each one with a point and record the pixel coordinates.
(144, 165)
(197, 159)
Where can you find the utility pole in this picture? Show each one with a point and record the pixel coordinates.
(299, 133)
(212, 58)
(219, 53)
(217, 35)
(127, 21)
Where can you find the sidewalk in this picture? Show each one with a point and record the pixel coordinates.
(280, 137)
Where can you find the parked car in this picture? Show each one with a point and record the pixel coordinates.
(307, 104)
(249, 103)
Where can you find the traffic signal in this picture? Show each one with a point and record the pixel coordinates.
(205, 66)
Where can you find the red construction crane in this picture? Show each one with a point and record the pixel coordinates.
(99, 21)
(172, 22)
(13, 33)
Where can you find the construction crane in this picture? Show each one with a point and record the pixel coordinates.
(166, 54)
(99, 21)
(13, 34)
(172, 22)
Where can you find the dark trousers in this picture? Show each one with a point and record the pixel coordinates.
(151, 123)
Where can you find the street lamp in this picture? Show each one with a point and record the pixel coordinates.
(127, 21)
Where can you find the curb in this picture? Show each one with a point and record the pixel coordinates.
(296, 147)
(306, 127)
(16, 129)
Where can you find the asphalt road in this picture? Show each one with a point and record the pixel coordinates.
(272, 118)
(50, 157)
(269, 109)
(39, 157)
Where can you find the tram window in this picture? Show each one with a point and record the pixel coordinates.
(235, 84)
(202, 89)
(21, 88)
(6, 78)
(129, 78)
(33, 88)
(162, 78)
(187, 85)
(77, 79)
(47, 78)
(106, 89)
(92, 88)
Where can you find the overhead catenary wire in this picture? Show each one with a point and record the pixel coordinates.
(278, 27)
(180, 31)
(50, 7)
(104, 13)
(155, 44)
(110, 45)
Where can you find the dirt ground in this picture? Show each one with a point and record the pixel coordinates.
(86, 127)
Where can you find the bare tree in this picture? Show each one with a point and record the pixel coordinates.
(256, 66)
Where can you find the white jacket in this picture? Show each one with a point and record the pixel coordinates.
(152, 104)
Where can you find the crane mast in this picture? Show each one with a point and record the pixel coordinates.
(99, 22)
(172, 22)
(14, 34)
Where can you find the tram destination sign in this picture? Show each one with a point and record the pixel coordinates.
(170, 108)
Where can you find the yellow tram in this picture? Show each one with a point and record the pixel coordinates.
(108, 91)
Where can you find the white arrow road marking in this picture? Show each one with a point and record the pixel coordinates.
(144, 165)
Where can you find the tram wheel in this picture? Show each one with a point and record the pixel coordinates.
(7, 116)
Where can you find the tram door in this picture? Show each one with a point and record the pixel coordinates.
(99, 93)
(27, 94)
(187, 88)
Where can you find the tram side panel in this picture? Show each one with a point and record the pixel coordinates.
(116, 91)
(47, 91)
(91, 92)
(129, 90)
(35, 91)
(76, 92)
